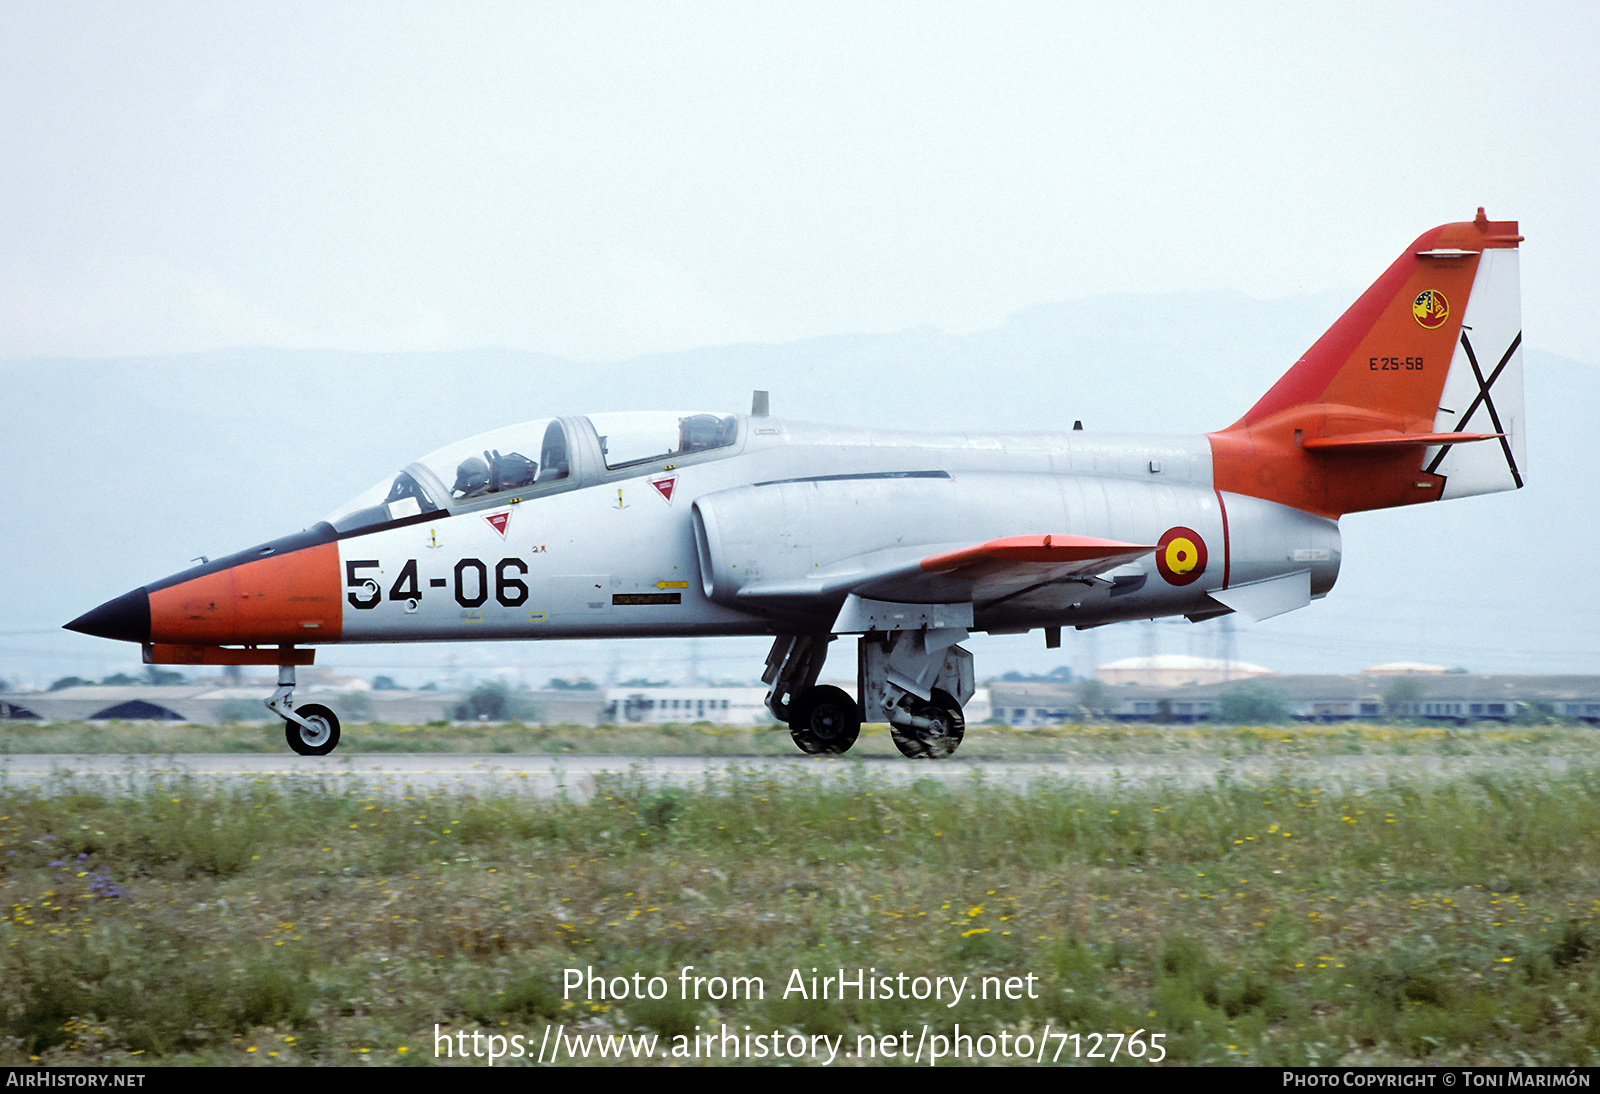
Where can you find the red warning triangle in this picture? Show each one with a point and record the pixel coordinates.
(665, 486)
(498, 522)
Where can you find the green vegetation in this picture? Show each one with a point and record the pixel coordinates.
(572, 683)
(1252, 703)
(494, 702)
(1402, 695)
(251, 729)
(1274, 920)
(152, 675)
(1094, 696)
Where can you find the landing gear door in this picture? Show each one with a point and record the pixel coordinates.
(955, 676)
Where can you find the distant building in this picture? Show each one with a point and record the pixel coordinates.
(1030, 703)
(1405, 668)
(722, 705)
(1447, 697)
(705, 703)
(1171, 670)
(1455, 697)
(206, 704)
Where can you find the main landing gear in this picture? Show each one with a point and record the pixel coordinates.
(929, 730)
(821, 719)
(826, 719)
(916, 680)
(311, 730)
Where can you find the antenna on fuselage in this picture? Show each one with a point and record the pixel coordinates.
(758, 404)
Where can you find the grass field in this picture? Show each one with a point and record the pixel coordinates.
(705, 739)
(1280, 920)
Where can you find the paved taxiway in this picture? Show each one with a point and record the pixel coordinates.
(575, 776)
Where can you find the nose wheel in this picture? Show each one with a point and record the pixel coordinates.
(317, 732)
(311, 730)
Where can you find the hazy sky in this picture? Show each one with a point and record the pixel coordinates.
(600, 181)
(606, 181)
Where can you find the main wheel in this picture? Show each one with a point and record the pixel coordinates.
(323, 736)
(938, 740)
(826, 719)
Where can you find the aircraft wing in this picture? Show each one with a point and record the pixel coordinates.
(981, 573)
(1004, 568)
(1056, 556)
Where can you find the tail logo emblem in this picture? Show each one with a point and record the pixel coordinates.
(1430, 308)
(1180, 556)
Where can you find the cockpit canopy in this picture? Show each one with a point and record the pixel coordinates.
(646, 436)
(531, 459)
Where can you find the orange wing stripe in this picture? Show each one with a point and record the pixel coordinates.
(1033, 549)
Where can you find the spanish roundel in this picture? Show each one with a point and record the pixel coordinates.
(1180, 556)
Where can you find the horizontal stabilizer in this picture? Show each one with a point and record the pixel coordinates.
(1355, 442)
(1265, 599)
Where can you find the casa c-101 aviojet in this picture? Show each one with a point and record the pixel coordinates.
(689, 524)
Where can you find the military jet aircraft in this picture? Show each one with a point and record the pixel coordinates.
(686, 523)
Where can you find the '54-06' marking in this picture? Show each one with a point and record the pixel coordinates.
(472, 583)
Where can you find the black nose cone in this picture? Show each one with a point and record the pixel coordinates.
(127, 618)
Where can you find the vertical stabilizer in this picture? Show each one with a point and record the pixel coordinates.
(1414, 395)
(1483, 392)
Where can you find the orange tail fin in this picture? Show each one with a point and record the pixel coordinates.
(1415, 394)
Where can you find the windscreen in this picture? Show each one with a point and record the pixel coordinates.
(494, 465)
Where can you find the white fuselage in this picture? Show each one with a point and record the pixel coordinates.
(614, 553)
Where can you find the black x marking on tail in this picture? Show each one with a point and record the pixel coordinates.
(1483, 399)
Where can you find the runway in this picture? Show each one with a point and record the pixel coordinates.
(576, 777)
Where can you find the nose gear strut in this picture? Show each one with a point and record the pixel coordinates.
(313, 730)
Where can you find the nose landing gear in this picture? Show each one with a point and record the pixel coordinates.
(312, 730)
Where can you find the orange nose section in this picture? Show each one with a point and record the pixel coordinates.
(288, 598)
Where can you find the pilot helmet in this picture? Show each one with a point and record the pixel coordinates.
(472, 474)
